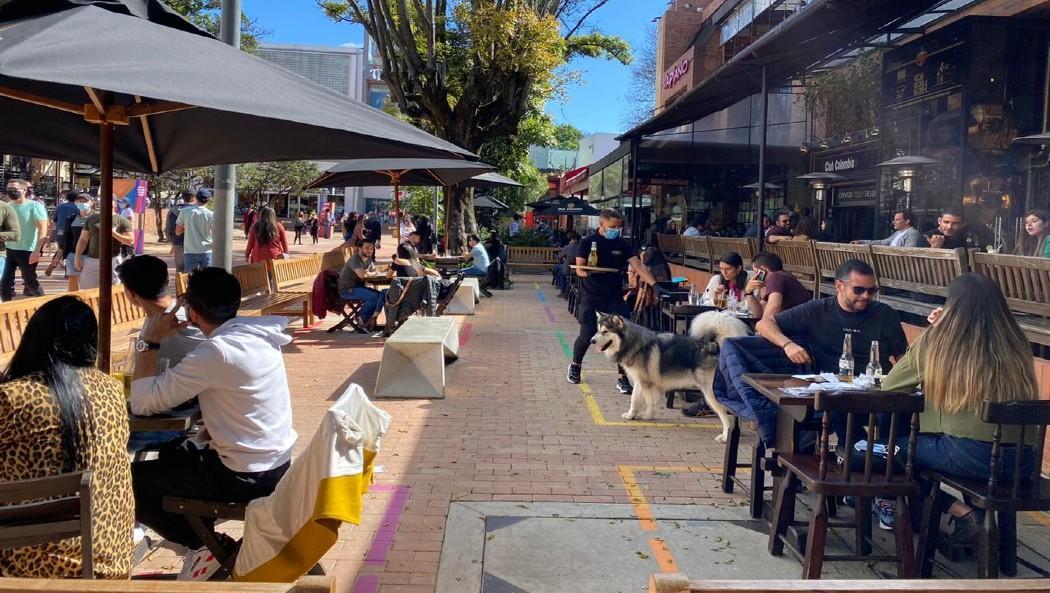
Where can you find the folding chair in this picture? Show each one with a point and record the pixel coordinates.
(65, 512)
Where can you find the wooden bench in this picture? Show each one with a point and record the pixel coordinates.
(307, 584)
(747, 248)
(679, 583)
(696, 253)
(672, 247)
(126, 318)
(296, 276)
(532, 258)
(832, 255)
(800, 259)
(926, 273)
(413, 364)
(258, 297)
(1025, 282)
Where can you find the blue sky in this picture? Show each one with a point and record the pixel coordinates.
(595, 105)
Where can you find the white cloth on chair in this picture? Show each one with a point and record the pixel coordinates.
(286, 533)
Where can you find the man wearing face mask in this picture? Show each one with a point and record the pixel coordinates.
(602, 292)
(24, 254)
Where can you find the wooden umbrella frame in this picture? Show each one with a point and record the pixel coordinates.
(100, 110)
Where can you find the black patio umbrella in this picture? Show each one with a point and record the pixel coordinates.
(546, 203)
(489, 202)
(572, 207)
(132, 85)
(398, 172)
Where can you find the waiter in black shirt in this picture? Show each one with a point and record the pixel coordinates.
(603, 291)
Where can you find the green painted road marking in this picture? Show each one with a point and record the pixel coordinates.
(564, 344)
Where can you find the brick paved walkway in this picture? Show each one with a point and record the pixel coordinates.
(510, 429)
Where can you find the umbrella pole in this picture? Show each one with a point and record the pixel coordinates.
(397, 210)
(105, 284)
(448, 210)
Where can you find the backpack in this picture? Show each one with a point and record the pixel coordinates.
(497, 275)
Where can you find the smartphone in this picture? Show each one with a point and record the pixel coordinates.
(761, 277)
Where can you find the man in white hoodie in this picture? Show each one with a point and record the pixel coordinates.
(239, 378)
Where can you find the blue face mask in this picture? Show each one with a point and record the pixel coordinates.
(611, 233)
(83, 207)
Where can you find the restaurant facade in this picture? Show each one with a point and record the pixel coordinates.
(959, 81)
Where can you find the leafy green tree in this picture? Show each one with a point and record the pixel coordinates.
(261, 182)
(567, 137)
(206, 13)
(478, 72)
(641, 88)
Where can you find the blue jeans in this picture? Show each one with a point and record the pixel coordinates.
(372, 299)
(194, 261)
(475, 272)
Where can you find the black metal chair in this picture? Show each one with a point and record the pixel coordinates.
(821, 475)
(1024, 491)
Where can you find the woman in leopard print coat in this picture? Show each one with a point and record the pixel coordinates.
(59, 413)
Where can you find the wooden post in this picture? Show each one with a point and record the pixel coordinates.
(105, 256)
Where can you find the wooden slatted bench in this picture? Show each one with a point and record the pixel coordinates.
(832, 255)
(800, 259)
(696, 253)
(258, 297)
(679, 583)
(926, 273)
(296, 276)
(747, 248)
(1025, 282)
(532, 258)
(672, 247)
(306, 584)
(126, 318)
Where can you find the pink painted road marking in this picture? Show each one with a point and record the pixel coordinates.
(550, 314)
(367, 583)
(464, 334)
(384, 537)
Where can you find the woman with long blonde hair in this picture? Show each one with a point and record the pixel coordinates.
(974, 352)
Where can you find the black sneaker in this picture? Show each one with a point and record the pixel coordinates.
(574, 374)
(624, 384)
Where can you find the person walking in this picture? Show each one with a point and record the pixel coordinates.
(315, 227)
(603, 291)
(67, 249)
(195, 223)
(61, 216)
(178, 242)
(89, 247)
(24, 254)
(266, 238)
(10, 230)
(299, 224)
(250, 216)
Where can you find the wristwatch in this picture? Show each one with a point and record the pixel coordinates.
(143, 345)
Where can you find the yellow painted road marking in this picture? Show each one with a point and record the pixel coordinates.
(664, 557)
(599, 418)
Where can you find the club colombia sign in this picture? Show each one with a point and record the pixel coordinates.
(677, 73)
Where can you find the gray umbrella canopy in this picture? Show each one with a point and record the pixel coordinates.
(570, 206)
(369, 172)
(177, 99)
(490, 180)
(489, 202)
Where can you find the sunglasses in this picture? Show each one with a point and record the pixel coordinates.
(871, 290)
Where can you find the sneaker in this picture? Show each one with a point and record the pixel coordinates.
(697, 410)
(574, 374)
(965, 530)
(624, 384)
(886, 511)
(198, 565)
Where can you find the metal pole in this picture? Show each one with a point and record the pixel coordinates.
(226, 175)
(762, 162)
(636, 223)
(105, 251)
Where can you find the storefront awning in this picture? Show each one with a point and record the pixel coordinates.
(809, 38)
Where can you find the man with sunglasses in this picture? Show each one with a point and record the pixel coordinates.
(821, 324)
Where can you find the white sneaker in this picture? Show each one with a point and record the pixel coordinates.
(198, 565)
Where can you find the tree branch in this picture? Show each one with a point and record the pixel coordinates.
(586, 15)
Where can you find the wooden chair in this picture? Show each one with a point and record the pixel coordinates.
(1025, 491)
(756, 485)
(44, 510)
(830, 256)
(820, 475)
(1025, 282)
(800, 259)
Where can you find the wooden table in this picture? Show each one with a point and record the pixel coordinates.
(376, 281)
(179, 421)
(596, 269)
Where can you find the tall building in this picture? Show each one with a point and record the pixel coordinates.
(348, 70)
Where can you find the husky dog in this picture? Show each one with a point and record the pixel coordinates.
(658, 363)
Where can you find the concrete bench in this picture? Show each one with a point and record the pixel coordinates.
(467, 295)
(413, 364)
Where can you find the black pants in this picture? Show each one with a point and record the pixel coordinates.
(588, 318)
(185, 472)
(16, 258)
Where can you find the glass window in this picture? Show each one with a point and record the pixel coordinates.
(378, 97)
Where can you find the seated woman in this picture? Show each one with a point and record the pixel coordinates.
(731, 278)
(60, 414)
(975, 328)
(357, 270)
(1036, 242)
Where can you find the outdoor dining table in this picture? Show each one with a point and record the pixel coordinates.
(675, 311)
